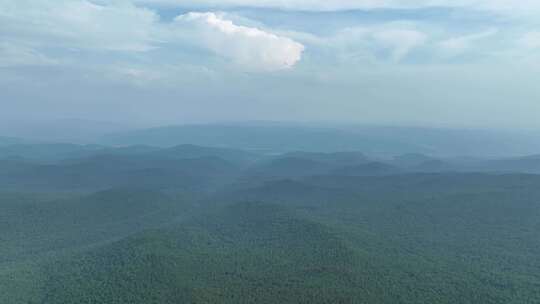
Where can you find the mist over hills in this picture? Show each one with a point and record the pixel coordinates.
(150, 223)
(437, 237)
(80, 131)
(65, 166)
(379, 141)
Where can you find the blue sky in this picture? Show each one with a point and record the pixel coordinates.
(420, 62)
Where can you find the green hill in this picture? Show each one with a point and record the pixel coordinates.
(107, 171)
(245, 253)
(459, 246)
(33, 227)
(164, 234)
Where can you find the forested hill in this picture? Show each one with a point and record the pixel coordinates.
(194, 224)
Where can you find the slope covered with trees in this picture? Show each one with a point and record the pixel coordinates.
(203, 225)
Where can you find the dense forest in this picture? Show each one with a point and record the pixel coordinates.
(190, 224)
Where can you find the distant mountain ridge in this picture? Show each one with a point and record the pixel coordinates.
(381, 141)
(52, 152)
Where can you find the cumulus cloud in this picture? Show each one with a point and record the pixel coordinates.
(246, 46)
(92, 32)
(120, 26)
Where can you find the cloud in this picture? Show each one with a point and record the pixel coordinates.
(79, 24)
(502, 6)
(458, 45)
(18, 55)
(368, 44)
(400, 41)
(247, 46)
(77, 28)
(126, 33)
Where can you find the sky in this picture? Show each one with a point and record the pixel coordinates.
(459, 63)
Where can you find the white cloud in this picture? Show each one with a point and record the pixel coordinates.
(93, 32)
(458, 45)
(502, 6)
(247, 46)
(68, 26)
(79, 24)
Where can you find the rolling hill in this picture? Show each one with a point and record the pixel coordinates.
(372, 140)
(214, 225)
(108, 170)
(243, 253)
